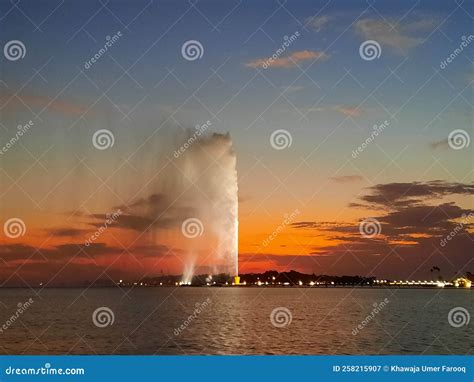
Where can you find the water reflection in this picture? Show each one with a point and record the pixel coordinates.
(235, 321)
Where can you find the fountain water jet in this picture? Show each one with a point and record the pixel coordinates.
(209, 165)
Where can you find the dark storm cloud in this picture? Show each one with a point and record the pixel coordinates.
(319, 225)
(67, 232)
(305, 225)
(10, 252)
(398, 224)
(395, 194)
(412, 228)
(380, 257)
(424, 218)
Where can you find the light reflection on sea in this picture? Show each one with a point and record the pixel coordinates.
(235, 321)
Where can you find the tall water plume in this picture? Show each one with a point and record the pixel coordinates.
(208, 166)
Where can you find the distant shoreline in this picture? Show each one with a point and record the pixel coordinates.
(244, 286)
(268, 279)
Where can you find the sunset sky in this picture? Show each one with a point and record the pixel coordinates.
(300, 206)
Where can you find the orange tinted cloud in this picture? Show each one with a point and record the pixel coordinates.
(350, 111)
(288, 61)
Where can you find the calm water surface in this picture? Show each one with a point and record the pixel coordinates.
(235, 321)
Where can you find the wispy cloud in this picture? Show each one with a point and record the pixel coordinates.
(351, 111)
(289, 61)
(13, 102)
(67, 232)
(347, 110)
(440, 144)
(317, 22)
(346, 178)
(400, 37)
